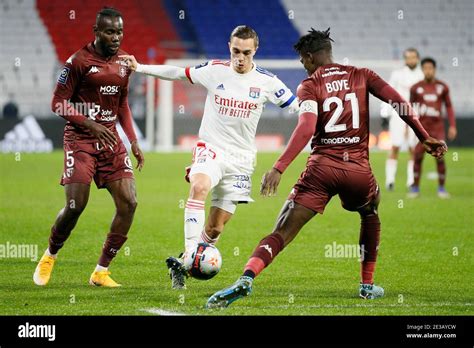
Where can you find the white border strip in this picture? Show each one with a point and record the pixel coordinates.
(162, 312)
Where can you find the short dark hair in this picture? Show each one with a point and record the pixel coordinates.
(244, 32)
(314, 41)
(428, 60)
(411, 49)
(108, 12)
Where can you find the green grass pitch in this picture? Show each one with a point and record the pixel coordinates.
(425, 261)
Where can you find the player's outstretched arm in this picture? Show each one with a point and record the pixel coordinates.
(164, 72)
(301, 135)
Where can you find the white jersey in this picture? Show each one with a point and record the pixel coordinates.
(235, 103)
(402, 80)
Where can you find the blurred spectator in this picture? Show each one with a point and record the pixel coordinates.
(10, 110)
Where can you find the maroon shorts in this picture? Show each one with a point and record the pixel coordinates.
(86, 160)
(318, 183)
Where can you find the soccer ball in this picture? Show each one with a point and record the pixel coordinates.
(203, 262)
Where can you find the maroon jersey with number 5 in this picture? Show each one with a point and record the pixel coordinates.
(341, 136)
(97, 87)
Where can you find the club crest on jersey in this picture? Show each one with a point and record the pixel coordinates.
(254, 92)
(122, 71)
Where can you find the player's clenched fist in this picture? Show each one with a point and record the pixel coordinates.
(436, 148)
(130, 61)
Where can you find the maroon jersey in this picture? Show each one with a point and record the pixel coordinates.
(341, 136)
(97, 86)
(428, 98)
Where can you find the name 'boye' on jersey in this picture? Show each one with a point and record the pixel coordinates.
(342, 130)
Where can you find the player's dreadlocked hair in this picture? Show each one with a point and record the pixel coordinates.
(314, 41)
(108, 12)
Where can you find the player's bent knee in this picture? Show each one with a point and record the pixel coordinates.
(127, 207)
(73, 209)
(199, 190)
(287, 234)
(370, 208)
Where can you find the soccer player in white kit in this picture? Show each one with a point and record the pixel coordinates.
(223, 159)
(401, 80)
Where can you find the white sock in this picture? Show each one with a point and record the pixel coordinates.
(206, 239)
(100, 268)
(390, 171)
(410, 173)
(47, 252)
(194, 218)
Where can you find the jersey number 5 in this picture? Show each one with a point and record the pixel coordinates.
(331, 126)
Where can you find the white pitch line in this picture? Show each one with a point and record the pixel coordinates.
(162, 312)
(393, 305)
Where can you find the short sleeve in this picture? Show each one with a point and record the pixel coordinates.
(280, 94)
(200, 74)
(306, 91)
(69, 77)
(374, 82)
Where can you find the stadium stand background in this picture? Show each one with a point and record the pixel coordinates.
(38, 36)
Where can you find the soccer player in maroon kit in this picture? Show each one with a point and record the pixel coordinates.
(334, 111)
(91, 93)
(427, 97)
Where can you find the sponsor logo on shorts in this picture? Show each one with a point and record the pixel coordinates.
(340, 140)
(128, 162)
(68, 173)
(242, 182)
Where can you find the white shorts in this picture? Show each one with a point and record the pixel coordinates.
(231, 183)
(401, 135)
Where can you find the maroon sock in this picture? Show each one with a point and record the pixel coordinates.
(266, 251)
(57, 239)
(441, 165)
(417, 167)
(369, 244)
(112, 245)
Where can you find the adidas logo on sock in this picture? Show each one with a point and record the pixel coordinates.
(193, 220)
